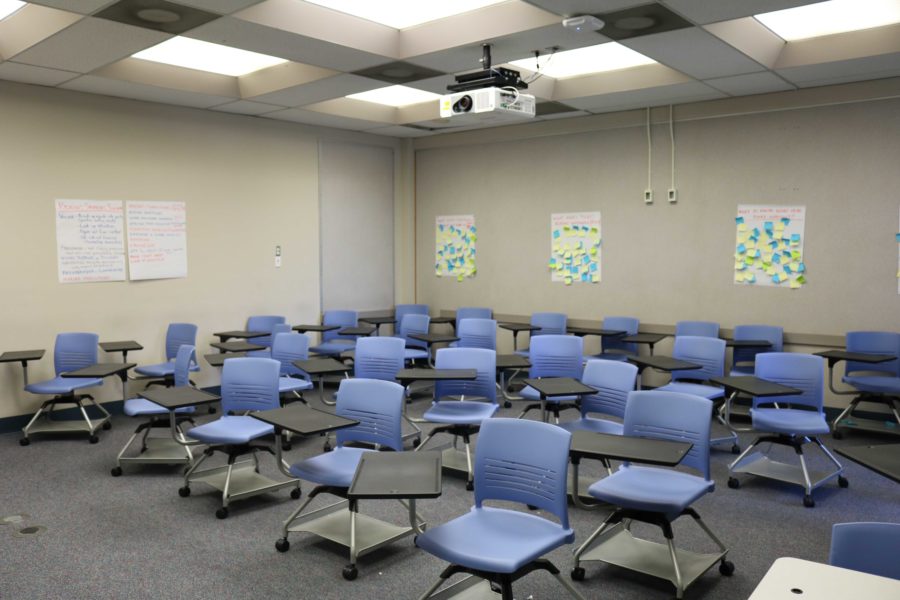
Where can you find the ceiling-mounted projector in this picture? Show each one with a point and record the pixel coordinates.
(487, 105)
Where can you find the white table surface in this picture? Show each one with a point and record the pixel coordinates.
(806, 580)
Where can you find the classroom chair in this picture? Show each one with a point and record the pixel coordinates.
(162, 449)
(613, 348)
(472, 312)
(264, 323)
(410, 324)
(401, 310)
(868, 547)
(743, 359)
(792, 421)
(523, 462)
(553, 356)
(267, 352)
(71, 352)
(697, 328)
(657, 496)
(476, 333)
(613, 381)
(333, 343)
(878, 383)
(286, 348)
(177, 335)
(550, 323)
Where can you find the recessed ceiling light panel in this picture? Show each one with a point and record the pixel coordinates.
(395, 95)
(827, 18)
(584, 61)
(8, 7)
(204, 56)
(401, 14)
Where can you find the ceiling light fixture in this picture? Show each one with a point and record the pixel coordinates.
(584, 61)
(827, 18)
(158, 15)
(205, 56)
(395, 95)
(8, 7)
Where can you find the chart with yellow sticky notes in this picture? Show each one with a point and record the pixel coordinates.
(769, 246)
(455, 237)
(575, 247)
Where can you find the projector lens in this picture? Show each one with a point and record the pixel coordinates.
(462, 105)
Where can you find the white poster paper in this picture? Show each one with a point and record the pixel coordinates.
(769, 246)
(90, 241)
(575, 247)
(157, 240)
(454, 252)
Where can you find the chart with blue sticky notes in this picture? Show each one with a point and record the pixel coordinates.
(768, 249)
(575, 247)
(455, 237)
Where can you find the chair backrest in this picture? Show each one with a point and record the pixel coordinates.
(378, 358)
(550, 323)
(868, 547)
(472, 312)
(288, 347)
(613, 380)
(377, 405)
(344, 318)
(672, 416)
(697, 328)
(629, 325)
(265, 323)
(401, 310)
(250, 383)
(523, 461)
(414, 323)
(178, 335)
(874, 342)
(477, 333)
(74, 351)
(482, 360)
(706, 351)
(802, 371)
(771, 333)
(184, 358)
(556, 356)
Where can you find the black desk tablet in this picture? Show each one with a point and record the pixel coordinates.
(241, 346)
(406, 376)
(748, 343)
(434, 338)
(512, 361)
(662, 363)
(217, 360)
(401, 475)
(884, 459)
(583, 331)
(224, 336)
(319, 328)
(23, 357)
(651, 451)
(356, 331)
(124, 347)
(302, 420)
(173, 398)
(650, 339)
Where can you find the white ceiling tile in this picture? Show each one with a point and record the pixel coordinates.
(400, 131)
(695, 52)
(139, 91)
(752, 83)
(585, 7)
(222, 7)
(692, 91)
(845, 71)
(247, 107)
(37, 75)
(710, 11)
(84, 7)
(298, 115)
(234, 32)
(322, 89)
(90, 44)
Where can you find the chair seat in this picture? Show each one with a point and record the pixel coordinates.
(230, 430)
(335, 468)
(697, 389)
(415, 354)
(62, 385)
(646, 488)
(494, 539)
(877, 384)
(334, 347)
(595, 425)
(161, 369)
(529, 393)
(789, 421)
(463, 412)
(138, 407)
(293, 384)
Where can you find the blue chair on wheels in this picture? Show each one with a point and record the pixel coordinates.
(878, 383)
(792, 421)
(872, 548)
(286, 348)
(553, 356)
(71, 352)
(265, 323)
(248, 384)
(516, 461)
(550, 323)
(697, 328)
(413, 324)
(744, 359)
(333, 343)
(401, 310)
(477, 400)
(476, 333)
(378, 406)
(267, 352)
(657, 496)
(471, 312)
(613, 381)
(163, 449)
(177, 335)
(613, 348)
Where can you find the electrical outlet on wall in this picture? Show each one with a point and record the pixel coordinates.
(648, 196)
(673, 195)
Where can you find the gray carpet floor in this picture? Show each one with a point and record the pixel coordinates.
(134, 537)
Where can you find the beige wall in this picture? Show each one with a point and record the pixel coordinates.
(248, 183)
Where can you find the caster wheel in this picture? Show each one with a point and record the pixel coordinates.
(24, 442)
(184, 492)
(838, 434)
(733, 483)
(577, 574)
(107, 426)
(286, 447)
(222, 513)
(726, 567)
(843, 481)
(212, 410)
(115, 471)
(295, 493)
(808, 501)
(349, 573)
(417, 442)
(470, 486)
(735, 449)
(93, 439)
(326, 447)
(282, 545)
(507, 404)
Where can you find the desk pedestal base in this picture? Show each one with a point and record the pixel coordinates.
(237, 482)
(159, 450)
(42, 423)
(762, 466)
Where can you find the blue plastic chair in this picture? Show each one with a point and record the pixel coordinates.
(153, 450)
(697, 328)
(471, 312)
(553, 356)
(516, 461)
(267, 352)
(743, 359)
(410, 324)
(177, 335)
(868, 547)
(792, 421)
(264, 323)
(613, 348)
(401, 310)
(657, 495)
(477, 398)
(378, 406)
(876, 382)
(613, 381)
(550, 323)
(286, 348)
(476, 333)
(705, 351)
(71, 352)
(333, 343)
(378, 358)
(248, 384)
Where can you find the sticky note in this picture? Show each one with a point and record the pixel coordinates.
(750, 278)
(795, 254)
(742, 227)
(741, 248)
(593, 267)
(898, 237)
(771, 271)
(756, 232)
(595, 278)
(795, 284)
(740, 266)
(440, 227)
(594, 251)
(739, 220)
(801, 279)
(568, 281)
(555, 233)
(749, 260)
(785, 220)
(795, 237)
(779, 227)
(776, 278)
(459, 277)
(594, 230)
(787, 269)
(801, 267)
(768, 225)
